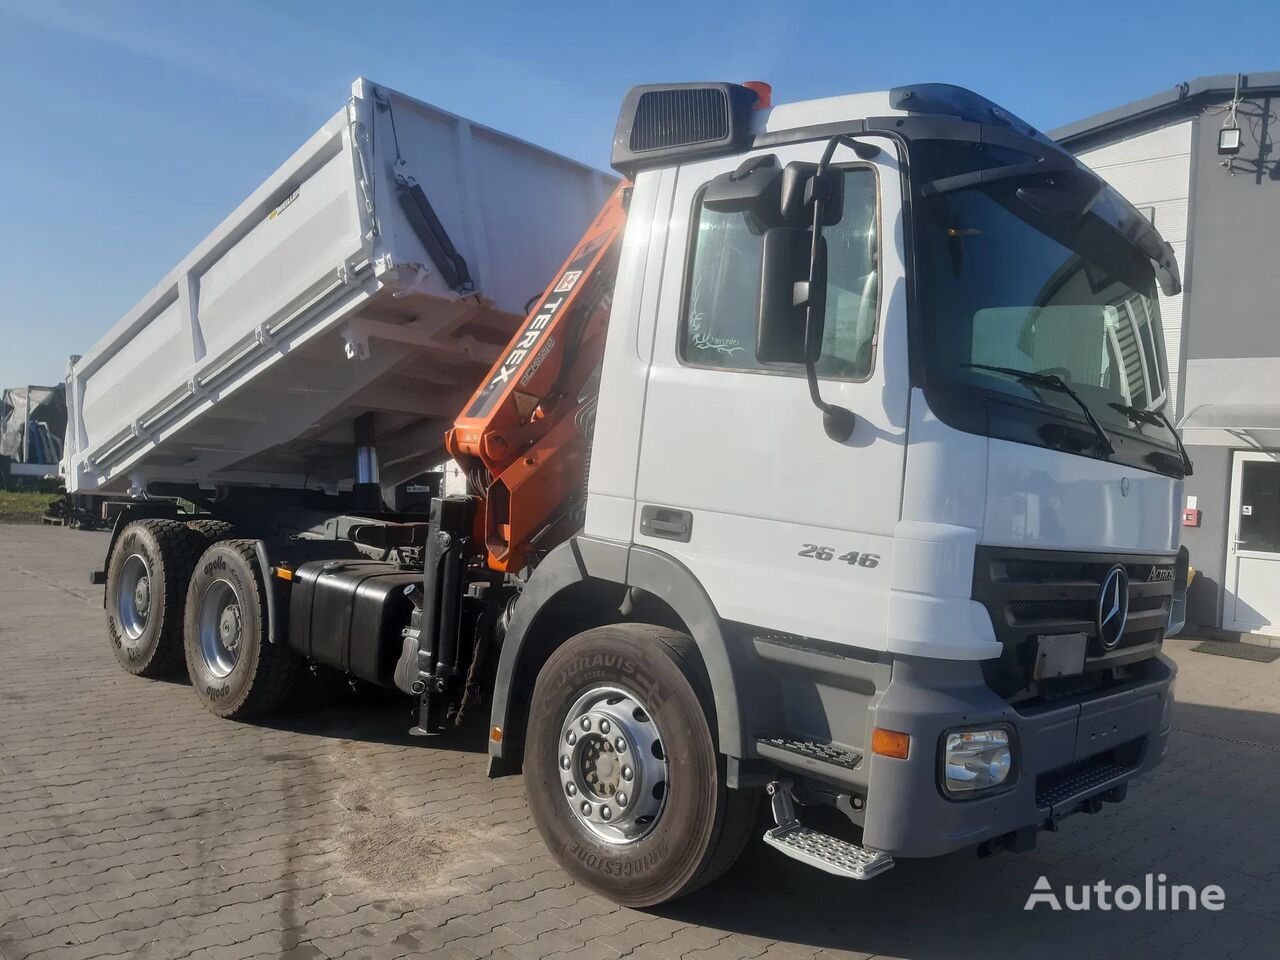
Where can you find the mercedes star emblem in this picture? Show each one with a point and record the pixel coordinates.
(1113, 607)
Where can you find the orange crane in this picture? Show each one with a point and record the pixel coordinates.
(523, 439)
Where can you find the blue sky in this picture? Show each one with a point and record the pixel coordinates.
(132, 128)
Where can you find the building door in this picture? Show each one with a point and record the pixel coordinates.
(1252, 597)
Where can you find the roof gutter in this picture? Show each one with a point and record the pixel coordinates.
(1182, 95)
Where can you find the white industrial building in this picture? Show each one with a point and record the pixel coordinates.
(1200, 161)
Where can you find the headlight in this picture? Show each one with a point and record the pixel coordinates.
(976, 760)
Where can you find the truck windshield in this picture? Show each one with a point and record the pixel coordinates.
(1009, 277)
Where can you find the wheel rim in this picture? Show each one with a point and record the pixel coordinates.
(133, 605)
(613, 765)
(221, 628)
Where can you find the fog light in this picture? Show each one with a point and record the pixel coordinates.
(976, 760)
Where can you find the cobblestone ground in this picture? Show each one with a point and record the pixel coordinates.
(133, 823)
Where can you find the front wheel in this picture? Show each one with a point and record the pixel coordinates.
(623, 776)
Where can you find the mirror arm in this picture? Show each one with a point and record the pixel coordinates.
(838, 422)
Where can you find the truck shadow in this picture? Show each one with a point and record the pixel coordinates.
(325, 708)
(1196, 820)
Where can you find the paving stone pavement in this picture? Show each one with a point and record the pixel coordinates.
(133, 823)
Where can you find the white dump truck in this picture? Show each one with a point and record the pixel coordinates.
(831, 466)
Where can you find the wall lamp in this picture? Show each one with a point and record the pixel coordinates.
(1229, 137)
(1228, 141)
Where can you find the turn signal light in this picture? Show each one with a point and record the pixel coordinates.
(890, 743)
(764, 94)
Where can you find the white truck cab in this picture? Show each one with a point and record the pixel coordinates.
(940, 610)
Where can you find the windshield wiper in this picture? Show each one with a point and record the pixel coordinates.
(1156, 418)
(1053, 382)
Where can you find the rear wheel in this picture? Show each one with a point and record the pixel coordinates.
(623, 776)
(213, 531)
(146, 586)
(235, 670)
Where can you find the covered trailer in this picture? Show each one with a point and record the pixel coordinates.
(32, 423)
(371, 279)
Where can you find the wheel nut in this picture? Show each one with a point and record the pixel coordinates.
(571, 790)
(572, 738)
(626, 773)
(564, 763)
(605, 813)
(620, 745)
(622, 799)
(586, 723)
(604, 726)
(586, 809)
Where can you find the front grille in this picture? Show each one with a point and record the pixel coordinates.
(1021, 610)
(1035, 593)
(1079, 778)
(1023, 569)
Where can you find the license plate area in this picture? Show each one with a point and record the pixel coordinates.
(1059, 655)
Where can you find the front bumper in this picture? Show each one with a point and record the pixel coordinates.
(1067, 755)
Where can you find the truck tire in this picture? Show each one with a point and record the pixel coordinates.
(213, 530)
(622, 770)
(235, 671)
(147, 580)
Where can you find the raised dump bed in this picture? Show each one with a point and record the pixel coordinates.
(379, 270)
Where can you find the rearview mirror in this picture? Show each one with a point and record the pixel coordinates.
(802, 184)
(754, 189)
(785, 321)
(793, 277)
(1051, 201)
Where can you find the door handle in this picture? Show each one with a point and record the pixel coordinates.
(666, 523)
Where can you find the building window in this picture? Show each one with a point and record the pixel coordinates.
(719, 328)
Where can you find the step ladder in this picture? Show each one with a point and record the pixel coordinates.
(821, 850)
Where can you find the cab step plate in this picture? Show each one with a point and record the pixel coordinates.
(830, 753)
(821, 850)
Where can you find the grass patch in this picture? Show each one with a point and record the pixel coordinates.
(23, 506)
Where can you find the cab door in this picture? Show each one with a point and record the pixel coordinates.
(785, 528)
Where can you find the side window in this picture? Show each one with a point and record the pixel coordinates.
(724, 288)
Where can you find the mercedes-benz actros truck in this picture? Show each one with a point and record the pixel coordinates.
(831, 469)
